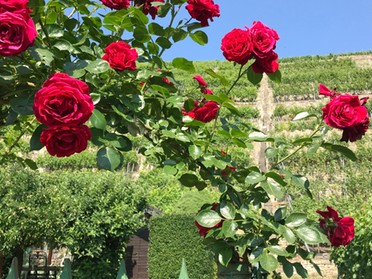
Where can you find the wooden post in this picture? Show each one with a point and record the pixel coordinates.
(50, 255)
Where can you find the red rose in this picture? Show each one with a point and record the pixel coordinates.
(148, 8)
(17, 32)
(200, 80)
(121, 56)
(203, 230)
(203, 10)
(263, 39)
(13, 5)
(268, 65)
(237, 46)
(203, 112)
(63, 140)
(63, 100)
(116, 4)
(340, 231)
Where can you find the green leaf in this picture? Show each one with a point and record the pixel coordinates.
(222, 79)
(195, 151)
(163, 42)
(288, 234)
(156, 29)
(208, 218)
(341, 149)
(288, 268)
(98, 120)
(254, 177)
(213, 98)
(31, 164)
(229, 228)
(23, 104)
(179, 35)
(295, 220)
(273, 188)
(303, 183)
(300, 270)
(96, 97)
(43, 55)
(227, 210)
(109, 158)
(268, 262)
(276, 76)
(97, 67)
(271, 152)
(280, 214)
(303, 115)
(199, 37)
(253, 77)
(309, 235)
(224, 256)
(170, 170)
(276, 177)
(35, 143)
(189, 180)
(183, 272)
(119, 142)
(278, 250)
(183, 64)
(257, 136)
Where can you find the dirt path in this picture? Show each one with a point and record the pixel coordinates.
(265, 104)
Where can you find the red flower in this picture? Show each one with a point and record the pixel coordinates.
(13, 5)
(340, 230)
(201, 81)
(63, 100)
(237, 46)
(203, 230)
(204, 113)
(268, 65)
(121, 56)
(345, 112)
(65, 140)
(207, 91)
(17, 33)
(263, 38)
(203, 10)
(116, 4)
(148, 8)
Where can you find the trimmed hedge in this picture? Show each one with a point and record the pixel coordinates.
(173, 237)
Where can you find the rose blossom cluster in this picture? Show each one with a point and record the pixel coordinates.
(64, 105)
(346, 112)
(203, 230)
(121, 56)
(204, 111)
(257, 42)
(18, 30)
(340, 230)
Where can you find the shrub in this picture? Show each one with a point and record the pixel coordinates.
(173, 237)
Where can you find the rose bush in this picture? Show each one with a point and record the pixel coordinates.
(117, 56)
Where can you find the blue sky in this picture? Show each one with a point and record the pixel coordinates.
(305, 27)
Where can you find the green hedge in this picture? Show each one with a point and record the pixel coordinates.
(173, 237)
